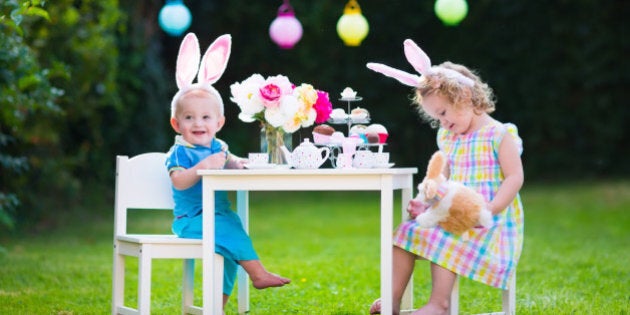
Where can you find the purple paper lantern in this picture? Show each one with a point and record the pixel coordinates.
(285, 30)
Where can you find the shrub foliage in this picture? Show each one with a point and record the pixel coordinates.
(83, 81)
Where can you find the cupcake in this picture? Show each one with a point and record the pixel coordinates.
(359, 131)
(348, 94)
(322, 133)
(338, 114)
(337, 137)
(324, 129)
(380, 130)
(359, 114)
(372, 137)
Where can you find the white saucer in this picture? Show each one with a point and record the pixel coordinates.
(259, 166)
(384, 166)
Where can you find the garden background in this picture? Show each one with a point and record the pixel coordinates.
(84, 81)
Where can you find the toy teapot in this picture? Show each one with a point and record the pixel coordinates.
(306, 155)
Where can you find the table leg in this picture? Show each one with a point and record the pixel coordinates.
(407, 299)
(242, 207)
(387, 201)
(212, 301)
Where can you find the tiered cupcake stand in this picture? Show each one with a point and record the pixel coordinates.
(336, 148)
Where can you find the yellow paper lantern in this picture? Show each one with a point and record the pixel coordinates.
(352, 26)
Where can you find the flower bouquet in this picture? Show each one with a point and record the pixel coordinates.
(280, 106)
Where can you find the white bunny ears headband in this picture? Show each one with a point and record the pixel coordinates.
(421, 62)
(208, 71)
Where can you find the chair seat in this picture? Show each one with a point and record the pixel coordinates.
(157, 239)
(159, 246)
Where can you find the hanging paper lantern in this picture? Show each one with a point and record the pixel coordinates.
(285, 30)
(352, 26)
(174, 17)
(451, 12)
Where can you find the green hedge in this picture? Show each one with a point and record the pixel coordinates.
(101, 78)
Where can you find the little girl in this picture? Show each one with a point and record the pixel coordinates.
(483, 154)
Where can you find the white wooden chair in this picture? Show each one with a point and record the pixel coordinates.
(508, 296)
(142, 182)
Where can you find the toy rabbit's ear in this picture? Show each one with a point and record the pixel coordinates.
(402, 76)
(187, 61)
(417, 57)
(436, 165)
(215, 60)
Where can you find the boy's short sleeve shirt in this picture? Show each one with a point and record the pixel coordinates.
(183, 155)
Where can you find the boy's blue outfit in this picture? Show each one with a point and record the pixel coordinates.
(231, 239)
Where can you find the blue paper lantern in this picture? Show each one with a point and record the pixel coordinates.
(174, 17)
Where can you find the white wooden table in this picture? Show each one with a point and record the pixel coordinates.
(384, 180)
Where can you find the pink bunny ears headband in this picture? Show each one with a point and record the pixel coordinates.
(422, 64)
(208, 71)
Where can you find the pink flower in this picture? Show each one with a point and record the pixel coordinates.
(323, 107)
(270, 95)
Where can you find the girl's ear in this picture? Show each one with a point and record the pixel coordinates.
(187, 61)
(215, 60)
(175, 124)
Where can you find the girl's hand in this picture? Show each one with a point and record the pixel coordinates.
(416, 207)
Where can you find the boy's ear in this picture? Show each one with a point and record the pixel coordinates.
(220, 123)
(175, 124)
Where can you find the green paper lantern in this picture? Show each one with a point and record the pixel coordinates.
(451, 12)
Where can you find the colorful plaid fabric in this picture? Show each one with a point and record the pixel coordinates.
(487, 255)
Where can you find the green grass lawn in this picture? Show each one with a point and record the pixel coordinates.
(575, 261)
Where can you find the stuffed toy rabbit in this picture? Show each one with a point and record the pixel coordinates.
(208, 71)
(455, 207)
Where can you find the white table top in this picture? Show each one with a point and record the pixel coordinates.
(318, 171)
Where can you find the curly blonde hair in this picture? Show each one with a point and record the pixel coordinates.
(480, 94)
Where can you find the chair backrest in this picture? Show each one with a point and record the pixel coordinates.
(142, 182)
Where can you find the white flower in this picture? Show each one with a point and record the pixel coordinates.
(247, 96)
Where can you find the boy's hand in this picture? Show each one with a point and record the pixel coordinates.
(416, 207)
(235, 162)
(214, 161)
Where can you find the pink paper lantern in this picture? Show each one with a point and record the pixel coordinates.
(285, 30)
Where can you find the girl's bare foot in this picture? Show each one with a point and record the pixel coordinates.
(431, 309)
(376, 307)
(267, 280)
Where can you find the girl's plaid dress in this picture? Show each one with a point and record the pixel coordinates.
(487, 255)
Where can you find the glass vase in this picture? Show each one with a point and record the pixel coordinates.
(271, 141)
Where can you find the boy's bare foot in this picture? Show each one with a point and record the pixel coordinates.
(267, 280)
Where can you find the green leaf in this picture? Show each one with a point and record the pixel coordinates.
(35, 11)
